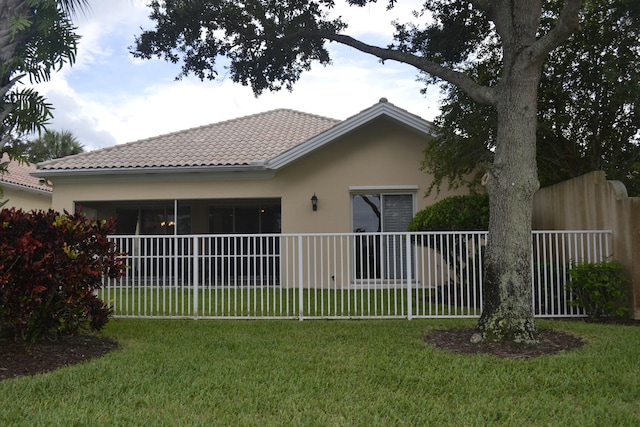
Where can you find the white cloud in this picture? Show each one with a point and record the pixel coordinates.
(108, 97)
(374, 19)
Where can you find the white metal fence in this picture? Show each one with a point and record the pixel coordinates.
(351, 275)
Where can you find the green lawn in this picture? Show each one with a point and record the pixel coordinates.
(329, 373)
(277, 302)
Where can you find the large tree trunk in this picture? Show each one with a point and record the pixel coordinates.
(511, 183)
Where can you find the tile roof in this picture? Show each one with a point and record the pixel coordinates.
(242, 141)
(19, 174)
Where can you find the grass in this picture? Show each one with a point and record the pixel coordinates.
(329, 373)
(275, 302)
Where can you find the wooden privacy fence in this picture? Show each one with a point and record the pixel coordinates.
(348, 275)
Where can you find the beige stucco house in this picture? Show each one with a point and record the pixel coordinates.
(257, 174)
(189, 205)
(20, 190)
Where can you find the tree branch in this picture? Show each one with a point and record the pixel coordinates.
(481, 94)
(484, 5)
(567, 23)
(7, 87)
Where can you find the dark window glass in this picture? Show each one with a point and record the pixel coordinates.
(245, 216)
(366, 213)
(126, 220)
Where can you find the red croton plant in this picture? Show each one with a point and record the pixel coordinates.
(51, 266)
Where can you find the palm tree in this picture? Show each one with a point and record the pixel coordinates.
(52, 145)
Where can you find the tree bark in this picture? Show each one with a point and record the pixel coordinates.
(511, 183)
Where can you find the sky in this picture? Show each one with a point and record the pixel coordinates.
(108, 97)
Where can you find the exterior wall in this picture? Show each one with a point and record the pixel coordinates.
(25, 200)
(382, 155)
(590, 202)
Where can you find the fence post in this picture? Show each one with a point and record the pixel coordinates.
(194, 276)
(409, 264)
(300, 280)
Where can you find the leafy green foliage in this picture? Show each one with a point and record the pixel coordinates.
(588, 106)
(599, 288)
(50, 269)
(38, 39)
(452, 36)
(51, 41)
(457, 213)
(263, 40)
(50, 145)
(27, 111)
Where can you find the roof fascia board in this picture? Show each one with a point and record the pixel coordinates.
(18, 187)
(249, 172)
(394, 188)
(350, 124)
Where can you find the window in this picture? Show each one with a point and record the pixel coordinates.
(380, 256)
(382, 212)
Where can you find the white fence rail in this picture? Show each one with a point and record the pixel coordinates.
(355, 275)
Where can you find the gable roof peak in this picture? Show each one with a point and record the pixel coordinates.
(380, 109)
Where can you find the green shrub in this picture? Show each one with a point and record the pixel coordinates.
(50, 269)
(457, 213)
(599, 288)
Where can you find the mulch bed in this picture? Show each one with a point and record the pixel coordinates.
(458, 341)
(18, 359)
(551, 341)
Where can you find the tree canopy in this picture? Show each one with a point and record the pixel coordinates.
(588, 106)
(270, 43)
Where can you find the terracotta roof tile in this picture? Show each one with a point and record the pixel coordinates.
(19, 174)
(241, 141)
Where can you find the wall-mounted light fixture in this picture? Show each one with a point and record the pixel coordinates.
(314, 202)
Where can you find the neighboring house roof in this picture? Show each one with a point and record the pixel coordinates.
(18, 176)
(259, 142)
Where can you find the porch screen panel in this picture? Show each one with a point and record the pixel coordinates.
(221, 220)
(127, 220)
(246, 260)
